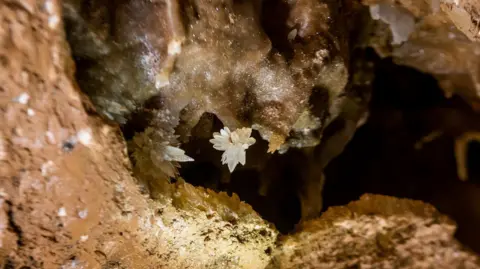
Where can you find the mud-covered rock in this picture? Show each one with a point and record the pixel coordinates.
(67, 197)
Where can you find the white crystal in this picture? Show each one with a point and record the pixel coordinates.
(233, 144)
(85, 136)
(23, 98)
(62, 212)
(401, 22)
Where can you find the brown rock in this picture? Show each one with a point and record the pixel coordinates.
(375, 232)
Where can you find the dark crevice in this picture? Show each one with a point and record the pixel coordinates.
(274, 22)
(406, 106)
(9, 264)
(382, 158)
(280, 205)
(13, 226)
(319, 99)
(140, 119)
(473, 161)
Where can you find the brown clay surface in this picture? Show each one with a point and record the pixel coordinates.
(66, 194)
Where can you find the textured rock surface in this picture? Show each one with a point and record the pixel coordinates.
(229, 61)
(67, 197)
(125, 49)
(375, 232)
(444, 43)
(286, 77)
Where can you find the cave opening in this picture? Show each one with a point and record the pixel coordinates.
(383, 158)
(267, 182)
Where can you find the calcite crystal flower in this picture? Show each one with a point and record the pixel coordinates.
(233, 144)
(157, 159)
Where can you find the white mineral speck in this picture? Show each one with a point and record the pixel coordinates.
(83, 214)
(62, 212)
(85, 136)
(119, 188)
(83, 238)
(47, 168)
(22, 98)
(50, 137)
(30, 112)
(174, 47)
(49, 6)
(53, 21)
